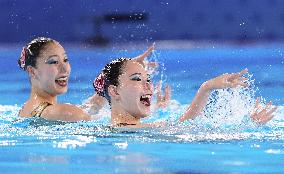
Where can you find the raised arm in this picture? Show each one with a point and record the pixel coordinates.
(142, 58)
(202, 95)
(94, 103)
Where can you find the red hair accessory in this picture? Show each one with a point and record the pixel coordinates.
(23, 58)
(99, 83)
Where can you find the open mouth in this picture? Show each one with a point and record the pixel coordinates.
(62, 81)
(146, 99)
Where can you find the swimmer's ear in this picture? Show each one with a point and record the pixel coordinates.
(112, 91)
(31, 71)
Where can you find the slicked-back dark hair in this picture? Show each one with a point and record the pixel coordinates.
(31, 52)
(111, 73)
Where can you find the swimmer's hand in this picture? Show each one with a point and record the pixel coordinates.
(202, 95)
(94, 104)
(262, 115)
(227, 81)
(163, 100)
(141, 58)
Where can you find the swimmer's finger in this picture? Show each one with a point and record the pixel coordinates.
(268, 105)
(168, 93)
(237, 75)
(272, 110)
(241, 83)
(243, 79)
(152, 64)
(262, 113)
(159, 86)
(266, 119)
(244, 71)
(256, 106)
(241, 73)
(257, 117)
(254, 117)
(159, 91)
(148, 51)
(268, 116)
(141, 57)
(257, 101)
(266, 108)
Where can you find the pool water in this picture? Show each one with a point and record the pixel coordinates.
(223, 140)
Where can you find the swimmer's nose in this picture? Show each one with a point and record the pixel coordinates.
(149, 86)
(64, 67)
(152, 88)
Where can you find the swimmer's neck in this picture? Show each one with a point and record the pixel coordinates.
(119, 116)
(42, 96)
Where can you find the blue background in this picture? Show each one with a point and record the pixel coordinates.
(74, 21)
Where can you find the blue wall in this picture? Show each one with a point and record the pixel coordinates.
(73, 20)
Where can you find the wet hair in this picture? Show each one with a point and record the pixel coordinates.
(109, 76)
(31, 52)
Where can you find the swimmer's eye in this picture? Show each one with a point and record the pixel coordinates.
(136, 78)
(51, 62)
(66, 59)
(149, 79)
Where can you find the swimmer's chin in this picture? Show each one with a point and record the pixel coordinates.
(143, 114)
(61, 91)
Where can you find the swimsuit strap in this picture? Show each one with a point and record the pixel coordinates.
(39, 109)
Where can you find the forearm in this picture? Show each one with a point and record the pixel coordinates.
(219, 82)
(198, 103)
(94, 103)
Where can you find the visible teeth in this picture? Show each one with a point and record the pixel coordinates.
(62, 78)
(146, 96)
(146, 99)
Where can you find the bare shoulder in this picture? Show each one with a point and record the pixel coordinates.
(26, 109)
(64, 112)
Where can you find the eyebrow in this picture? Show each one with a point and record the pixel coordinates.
(55, 55)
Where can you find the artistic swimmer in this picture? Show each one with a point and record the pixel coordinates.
(47, 65)
(128, 88)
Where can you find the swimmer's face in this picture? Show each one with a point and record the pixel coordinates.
(52, 69)
(135, 90)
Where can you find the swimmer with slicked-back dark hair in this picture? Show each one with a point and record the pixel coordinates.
(47, 65)
(127, 86)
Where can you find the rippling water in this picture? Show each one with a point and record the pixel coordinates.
(222, 140)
